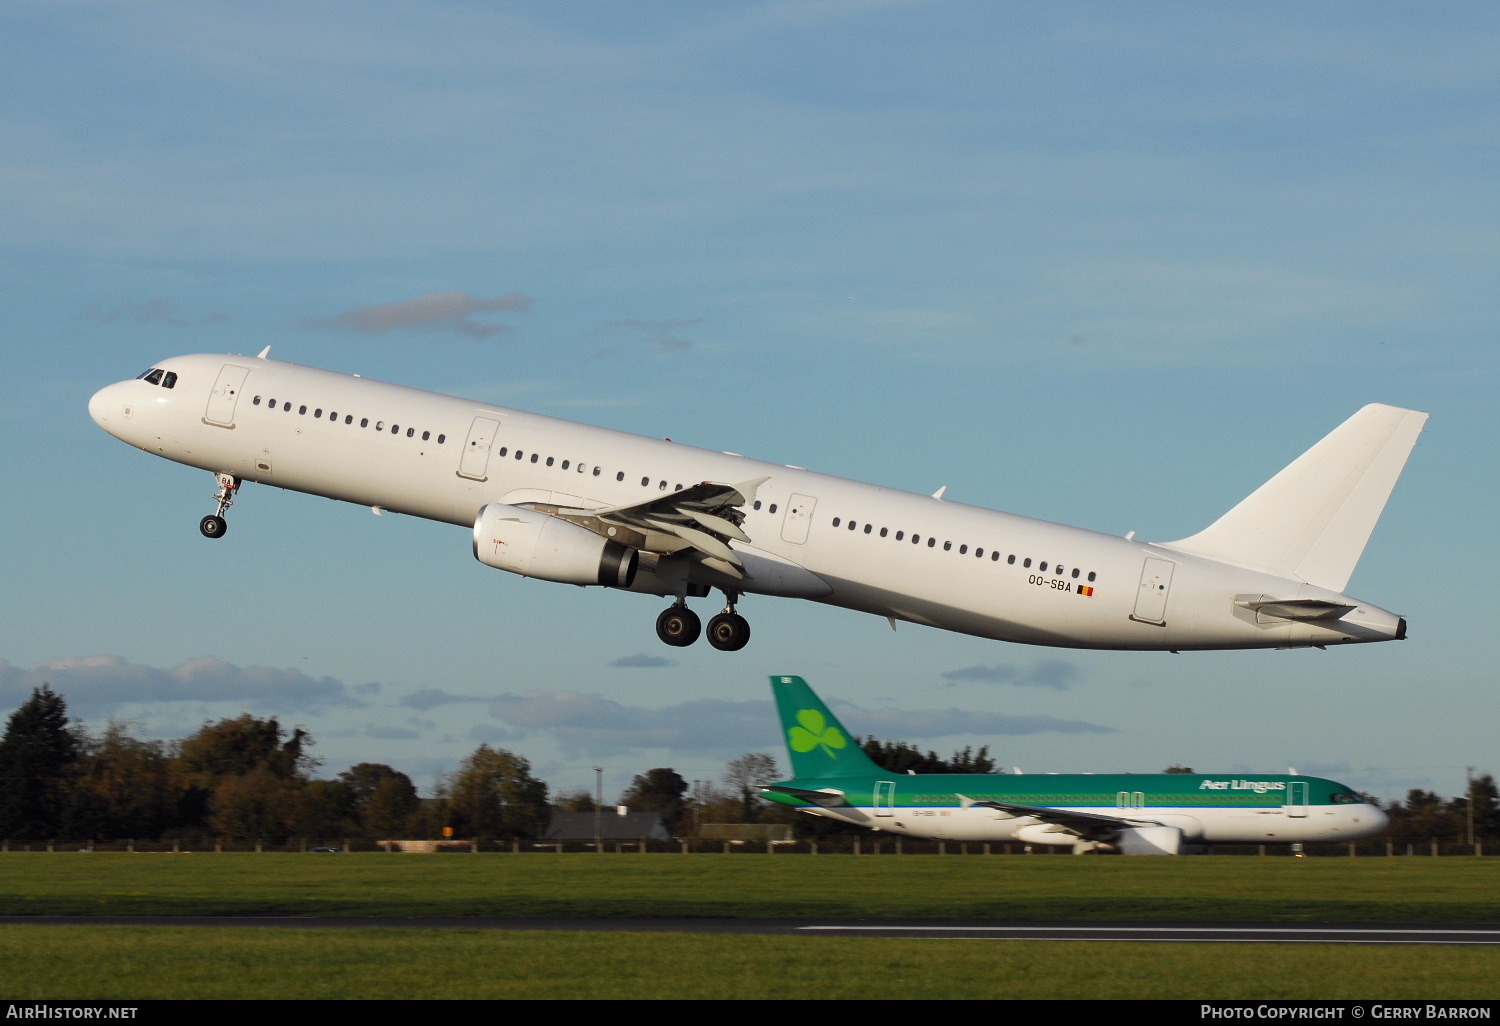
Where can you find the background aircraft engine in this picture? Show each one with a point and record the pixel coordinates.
(533, 544)
(1153, 840)
(1045, 833)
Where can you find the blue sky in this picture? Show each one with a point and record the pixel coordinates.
(1107, 264)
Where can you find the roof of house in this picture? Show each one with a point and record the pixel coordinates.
(612, 826)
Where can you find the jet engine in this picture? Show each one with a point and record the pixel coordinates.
(1045, 833)
(534, 544)
(1150, 840)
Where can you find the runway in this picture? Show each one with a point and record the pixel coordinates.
(1192, 933)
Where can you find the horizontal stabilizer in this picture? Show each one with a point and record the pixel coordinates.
(828, 798)
(1311, 521)
(1298, 609)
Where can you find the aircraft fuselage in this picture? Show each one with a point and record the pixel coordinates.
(878, 550)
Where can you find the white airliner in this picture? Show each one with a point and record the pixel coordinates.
(567, 502)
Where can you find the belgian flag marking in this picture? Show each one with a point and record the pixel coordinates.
(1086, 590)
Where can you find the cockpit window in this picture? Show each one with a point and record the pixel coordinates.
(1345, 798)
(153, 376)
(170, 381)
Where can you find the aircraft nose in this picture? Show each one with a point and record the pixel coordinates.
(1378, 819)
(107, 406)
(99, 406)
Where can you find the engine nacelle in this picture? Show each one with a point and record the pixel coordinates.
(533, 544)
(1152, 840)
(1045, 833)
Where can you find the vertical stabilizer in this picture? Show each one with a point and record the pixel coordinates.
(1312, 520)
(816, 742)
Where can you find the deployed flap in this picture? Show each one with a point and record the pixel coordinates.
(1312, 520)
(704, 517)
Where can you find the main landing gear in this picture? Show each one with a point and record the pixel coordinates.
(679, 626)
(214, 525)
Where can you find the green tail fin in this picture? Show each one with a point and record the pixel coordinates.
(816, 742)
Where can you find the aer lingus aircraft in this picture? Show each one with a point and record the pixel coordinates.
(562, 501)
(1126, 813)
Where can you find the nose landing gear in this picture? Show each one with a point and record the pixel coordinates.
(214, 525)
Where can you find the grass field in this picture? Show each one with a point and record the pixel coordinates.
(133, 962)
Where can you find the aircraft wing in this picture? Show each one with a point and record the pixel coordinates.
(703, 517)
(1085, 824)
(828, 799)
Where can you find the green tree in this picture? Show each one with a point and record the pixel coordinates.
(743, 775)
(123, 787)
(385, 800)
(241, 777)
(1486, 798)
(235, 747)
(493, 795)
(577, 800)
(38, 756)
(661, 791)
(1424, 815)
(323, 810)
(255, 806)
(901, 757)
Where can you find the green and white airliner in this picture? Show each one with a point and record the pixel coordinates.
(1126, 813)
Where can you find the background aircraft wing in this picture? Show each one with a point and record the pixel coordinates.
(1085, 824)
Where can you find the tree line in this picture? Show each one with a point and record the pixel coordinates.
(251, 779)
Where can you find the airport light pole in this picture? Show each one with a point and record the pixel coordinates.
(598, 808)
(1469, 803)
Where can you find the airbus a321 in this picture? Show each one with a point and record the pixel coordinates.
(1114, 813)
(567, 502)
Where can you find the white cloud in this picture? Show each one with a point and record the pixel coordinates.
(441, 311)
(96, 686)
